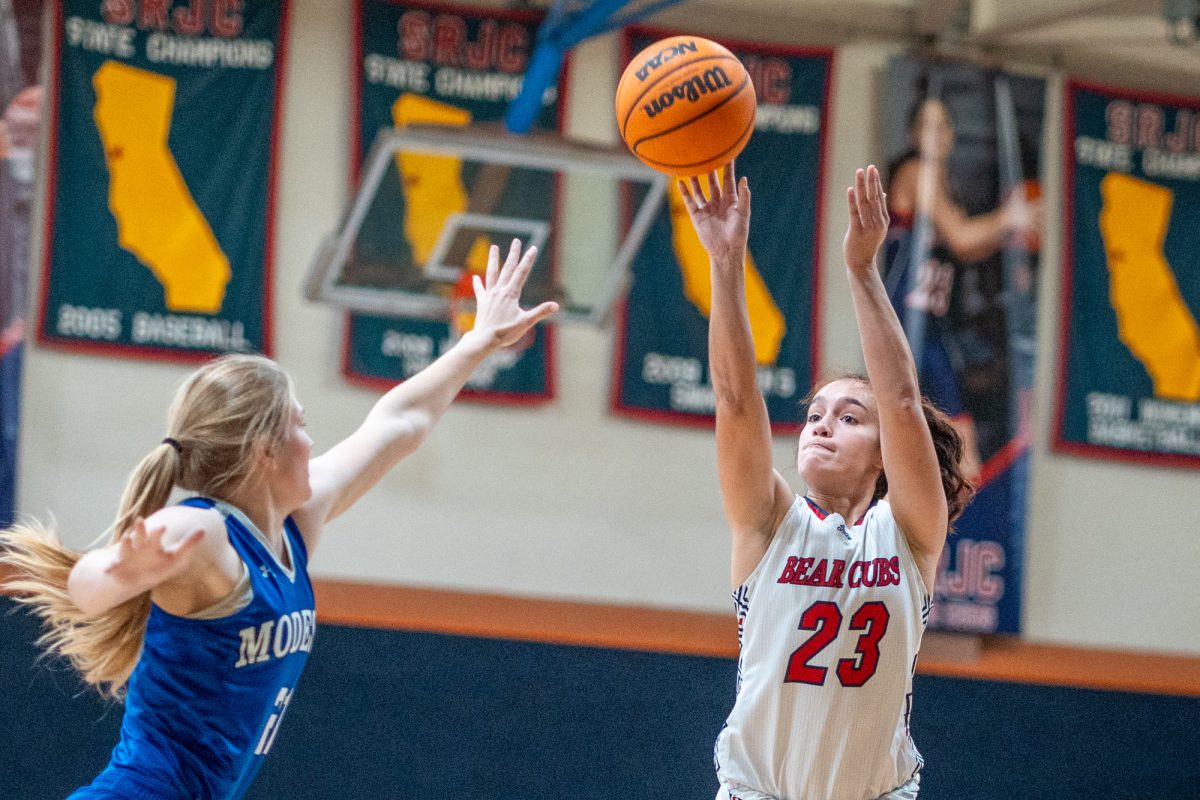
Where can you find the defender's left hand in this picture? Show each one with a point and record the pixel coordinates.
(499, 317)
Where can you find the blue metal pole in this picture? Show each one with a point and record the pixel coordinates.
(553, 42)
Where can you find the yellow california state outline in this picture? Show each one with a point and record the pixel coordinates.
(432, 184)
(157, 218)
(767, 325)
(1153, 320)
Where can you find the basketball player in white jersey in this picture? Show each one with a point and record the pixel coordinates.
(832, 588)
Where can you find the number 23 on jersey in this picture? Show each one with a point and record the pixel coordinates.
(824, 619)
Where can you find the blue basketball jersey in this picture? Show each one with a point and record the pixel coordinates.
(206, 699)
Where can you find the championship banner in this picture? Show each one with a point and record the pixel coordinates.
(963, 153)
(418, 63)
(161, 181)
(662, 360)
(1130, 344)
(20, 118)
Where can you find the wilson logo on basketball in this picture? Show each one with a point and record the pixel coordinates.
(711, 80)
(663, 56)
(685, 105)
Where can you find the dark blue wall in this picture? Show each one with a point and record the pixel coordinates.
(386, 714)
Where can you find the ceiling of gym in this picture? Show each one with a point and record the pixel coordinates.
(1055, 33)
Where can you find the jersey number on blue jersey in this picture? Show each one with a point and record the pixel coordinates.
(825, 619)
(271, 729)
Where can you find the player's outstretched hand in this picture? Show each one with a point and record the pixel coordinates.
(498, 313)
(722, 221)
(868, 219)
(144, 560)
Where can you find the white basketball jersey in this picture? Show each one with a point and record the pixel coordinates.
(829, 622)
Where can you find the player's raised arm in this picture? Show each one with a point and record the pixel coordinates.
(755, 496)
(910, 462)
(403, 417)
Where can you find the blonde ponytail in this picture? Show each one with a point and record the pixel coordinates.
(104, 648)
(222, 411)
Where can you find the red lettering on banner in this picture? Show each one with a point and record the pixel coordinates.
(117, 12)
(449, 34)
(991, 561)
(975, 574)
(189, 20)
(478, 54)
(772, 78)
(1119, 118)
(512, 54)
(954, 583)
(153, 15)
(1179, 140)
(413, 29)
(1149, 126)
(443, 40)
(227, 18)
(1145, 126)
(222, 18)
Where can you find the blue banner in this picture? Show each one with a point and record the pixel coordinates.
(1130, 351)
(662, 360)
(160, 194)
(960, 264)
(425, 64)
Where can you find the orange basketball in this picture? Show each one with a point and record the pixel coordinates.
(685, 106)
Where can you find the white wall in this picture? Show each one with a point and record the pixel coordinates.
(565, 500)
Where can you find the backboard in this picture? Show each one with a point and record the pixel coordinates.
(432, 198)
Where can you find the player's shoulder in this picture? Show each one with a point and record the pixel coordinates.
(181, 519)
(793, 514)
(189, 516)
(880, 516)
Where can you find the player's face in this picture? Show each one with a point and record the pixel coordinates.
(839, 446)
(289, 465)
(933, 133)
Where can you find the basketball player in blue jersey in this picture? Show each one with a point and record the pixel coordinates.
(201, 614)
(832, 589)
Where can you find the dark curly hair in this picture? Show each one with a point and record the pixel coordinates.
(946, 443)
